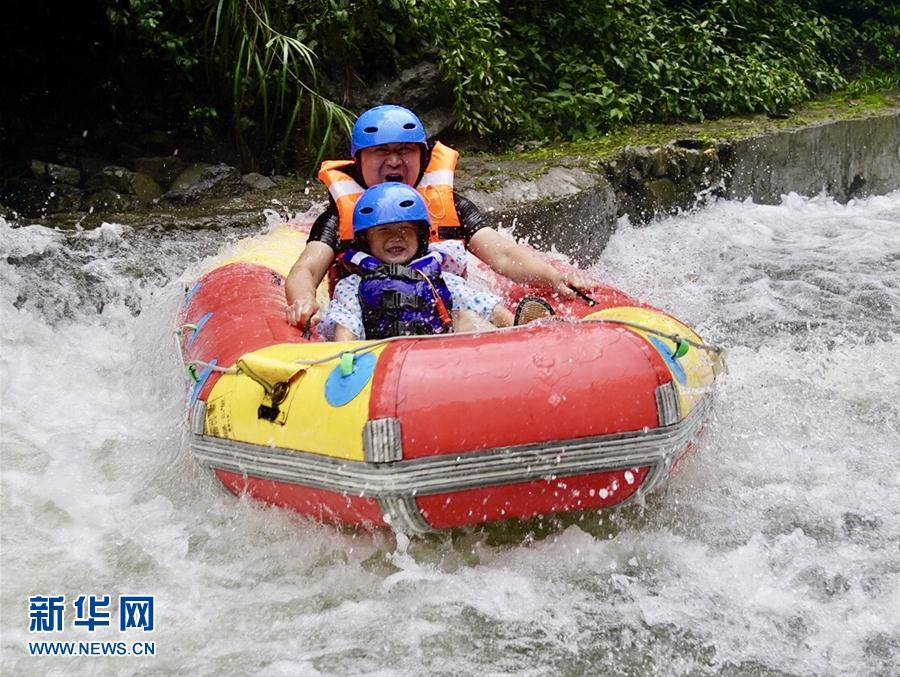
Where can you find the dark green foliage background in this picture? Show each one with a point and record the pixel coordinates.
(271, 75)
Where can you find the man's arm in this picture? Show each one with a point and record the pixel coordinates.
(302, 282)
(309, 270)
(515, 261)
(521, 264)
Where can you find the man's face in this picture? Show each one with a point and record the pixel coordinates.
(394, 242)
(399, 162)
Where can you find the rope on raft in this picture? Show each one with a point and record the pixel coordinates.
(680, 343)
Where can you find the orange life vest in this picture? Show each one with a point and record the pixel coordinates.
(436, 188)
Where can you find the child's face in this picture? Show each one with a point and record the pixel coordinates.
(394, 242)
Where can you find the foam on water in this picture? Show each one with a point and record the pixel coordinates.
(773, 551)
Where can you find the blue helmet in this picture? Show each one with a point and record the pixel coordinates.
(389, 202)
(386, 124)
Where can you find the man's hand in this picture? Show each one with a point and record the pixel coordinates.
(564, 282)
(303, 313)
(302, 309)
(523, 265)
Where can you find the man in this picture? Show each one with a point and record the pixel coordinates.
(388, 143)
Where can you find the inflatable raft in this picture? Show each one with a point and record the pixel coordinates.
(586, 410)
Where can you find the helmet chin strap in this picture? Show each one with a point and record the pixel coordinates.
(424, 159)
(424, 237)
(357, 165)
(361, 243)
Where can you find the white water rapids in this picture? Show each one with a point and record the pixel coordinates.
(774, 551)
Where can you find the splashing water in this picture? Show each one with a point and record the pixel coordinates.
(773, 551)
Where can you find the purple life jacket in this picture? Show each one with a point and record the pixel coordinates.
(396, 299)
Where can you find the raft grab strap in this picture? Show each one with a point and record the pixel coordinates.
(681, 346)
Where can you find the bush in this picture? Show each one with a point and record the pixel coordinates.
(516, 68)
(240, 65)
(575, 68)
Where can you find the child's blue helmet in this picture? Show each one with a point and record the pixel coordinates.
(388, 202)
(386, 124)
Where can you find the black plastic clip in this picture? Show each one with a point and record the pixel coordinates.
(270, 413)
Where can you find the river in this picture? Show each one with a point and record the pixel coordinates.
(773, 551)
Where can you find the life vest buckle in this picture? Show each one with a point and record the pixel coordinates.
(398, 270)
(393, 299)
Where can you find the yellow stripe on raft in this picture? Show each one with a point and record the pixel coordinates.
(698, 365)
(277, 250)
(306, 421)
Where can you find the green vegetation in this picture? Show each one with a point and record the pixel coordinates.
(274, 76)
(258, 74)
(574, 70)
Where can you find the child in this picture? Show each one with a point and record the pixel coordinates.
(400, 285)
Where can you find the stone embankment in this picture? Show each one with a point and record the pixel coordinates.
(92, 185)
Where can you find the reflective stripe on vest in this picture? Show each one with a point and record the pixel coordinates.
(436, 188)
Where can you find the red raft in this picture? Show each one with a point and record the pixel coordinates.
(587, 410)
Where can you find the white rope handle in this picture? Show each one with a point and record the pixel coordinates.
(375, 344)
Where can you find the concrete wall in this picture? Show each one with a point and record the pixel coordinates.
(846, 159)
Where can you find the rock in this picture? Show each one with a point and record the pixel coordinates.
(637, 158)
(634, 180)
(38, 170)
(419, 88)
(63, 174)
(567, 206)
(125, 149)
(107, 200)
(92, 165)
(659, 197)
(709, 162)
(112, 177)
(64, 198)
(256, 181)
(857, 187)
(659, 164)
(26, 196)
(625, 203)
(66, 158)
(614, 168)
(163, 170)
(674, 164)
(188, 176)
(690, 160)
(213, 182)
(437, 121)
(554, 183)
(691, 144)
(583, 224)
(36, 198)
(155, 140)
(145, 188)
